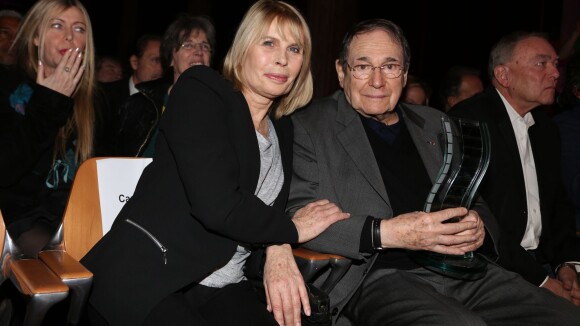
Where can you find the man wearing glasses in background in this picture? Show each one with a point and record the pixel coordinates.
(187, 42)
(377, 158)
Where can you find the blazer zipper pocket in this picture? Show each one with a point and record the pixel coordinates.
(152, 237)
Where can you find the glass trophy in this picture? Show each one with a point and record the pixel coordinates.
(465, 160)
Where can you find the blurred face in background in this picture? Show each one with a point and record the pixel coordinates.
(195, 50)
(415, 94)
(8, 28)
(470, 85)
(148, 66)
(109, 71)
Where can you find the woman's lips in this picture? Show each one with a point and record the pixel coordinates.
(278, 77)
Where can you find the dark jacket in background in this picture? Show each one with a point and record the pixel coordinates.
(139, 116)
(569, 125)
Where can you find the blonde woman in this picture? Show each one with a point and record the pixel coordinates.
(216, 190)
(47, 123)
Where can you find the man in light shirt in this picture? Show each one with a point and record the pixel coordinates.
(145, 65)
(523, 185)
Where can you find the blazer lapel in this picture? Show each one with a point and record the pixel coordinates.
(246, 143)
(428, 138)
(501, 117)
(354, 140)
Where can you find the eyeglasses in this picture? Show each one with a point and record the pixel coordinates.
(203, 46)
(363, 71)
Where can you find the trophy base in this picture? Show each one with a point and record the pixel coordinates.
(470, 267)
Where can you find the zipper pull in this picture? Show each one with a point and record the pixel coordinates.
(164, 250)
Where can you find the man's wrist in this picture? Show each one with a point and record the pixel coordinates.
(376, 234)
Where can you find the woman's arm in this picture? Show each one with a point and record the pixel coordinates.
(26, 137)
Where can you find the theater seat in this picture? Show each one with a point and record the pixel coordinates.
(40, 286)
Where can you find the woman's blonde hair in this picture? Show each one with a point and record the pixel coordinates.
(35, 24)
(253, 27)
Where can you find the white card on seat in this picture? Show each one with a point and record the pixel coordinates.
(117, 181)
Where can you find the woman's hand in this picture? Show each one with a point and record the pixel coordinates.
(284, 285)
(65, 78)
(314, 218)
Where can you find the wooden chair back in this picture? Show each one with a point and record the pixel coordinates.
(3, 252)
(82, 224)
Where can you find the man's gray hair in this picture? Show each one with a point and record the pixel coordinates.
(10, 13)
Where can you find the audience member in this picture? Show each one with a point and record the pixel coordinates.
(416, 91)
(187, 42)
(568, 122)
(216, 191)
(109, 69)
(145, 64)
(459, 83)
(146, 61)
(377, 158)
(9, 23)
(523, 185)
(50, 119)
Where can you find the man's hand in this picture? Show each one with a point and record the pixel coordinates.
(426, 231)
(314, 218)
(556, 287)
(284, 285)
(568, 276)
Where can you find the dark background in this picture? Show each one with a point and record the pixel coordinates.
(441, 33)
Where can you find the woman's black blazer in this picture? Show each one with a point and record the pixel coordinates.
(193, 204)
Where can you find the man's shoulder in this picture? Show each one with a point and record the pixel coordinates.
(318, 108)
(425, 112)
(476, 106)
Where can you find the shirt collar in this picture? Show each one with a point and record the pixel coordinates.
(527, 119)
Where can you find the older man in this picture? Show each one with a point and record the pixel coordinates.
(377, 159)
(523, 186)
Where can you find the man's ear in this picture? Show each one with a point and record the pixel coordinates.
(134, 61)
(339, 72)
(501, 74)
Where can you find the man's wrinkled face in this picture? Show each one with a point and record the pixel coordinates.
(377, 94)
